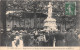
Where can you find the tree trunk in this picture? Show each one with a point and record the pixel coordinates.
(3, 22)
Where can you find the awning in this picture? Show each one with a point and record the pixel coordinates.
(25, 14)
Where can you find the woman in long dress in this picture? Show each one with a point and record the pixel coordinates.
(18, 41)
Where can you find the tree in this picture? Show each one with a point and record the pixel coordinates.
(3, 22)
(40, 7)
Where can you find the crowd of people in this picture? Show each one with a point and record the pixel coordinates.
(42, 38)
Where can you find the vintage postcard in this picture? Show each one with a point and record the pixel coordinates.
(40, 24)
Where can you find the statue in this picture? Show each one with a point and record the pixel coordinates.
(49, 22)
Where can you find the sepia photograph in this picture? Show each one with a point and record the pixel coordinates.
(35, 23)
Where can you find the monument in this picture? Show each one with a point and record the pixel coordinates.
(49, 22)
